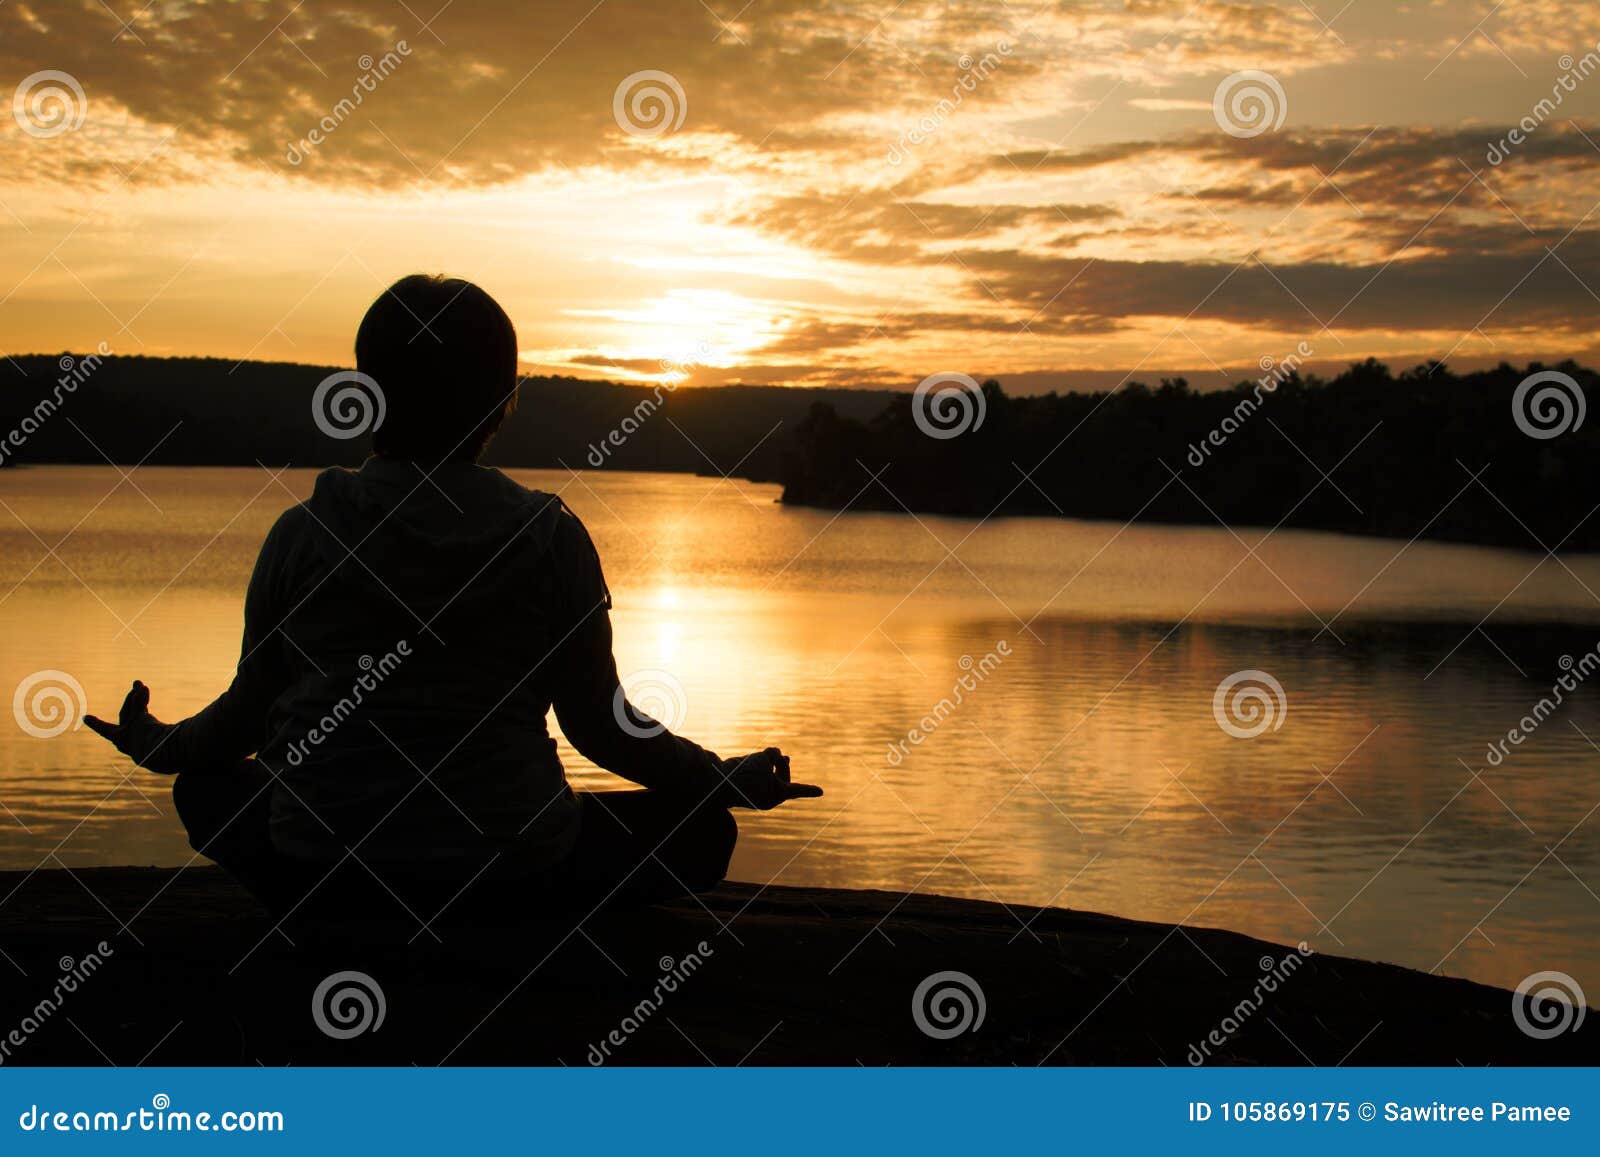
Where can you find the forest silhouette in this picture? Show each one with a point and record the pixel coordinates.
(1427, 454)
(1424, 453)
(215, 412)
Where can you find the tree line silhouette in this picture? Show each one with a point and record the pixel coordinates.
(211, 411)
(1427, 453)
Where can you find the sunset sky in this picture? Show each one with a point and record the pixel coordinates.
(1081, 213)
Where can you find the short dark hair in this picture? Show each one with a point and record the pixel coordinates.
(444, 354)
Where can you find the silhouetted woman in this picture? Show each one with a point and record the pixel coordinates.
(407, 630)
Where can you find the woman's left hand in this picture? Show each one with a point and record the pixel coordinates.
(136, 733)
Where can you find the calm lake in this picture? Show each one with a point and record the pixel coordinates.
(1085, 765)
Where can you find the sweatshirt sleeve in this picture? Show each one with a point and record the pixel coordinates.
(590, 703)
(235, 723)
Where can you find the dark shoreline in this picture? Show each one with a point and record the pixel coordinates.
(884, 504)
(195, 975)
(1422, 453)
(890, 506)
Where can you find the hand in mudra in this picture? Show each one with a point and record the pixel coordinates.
(136, 733)
(761, 780)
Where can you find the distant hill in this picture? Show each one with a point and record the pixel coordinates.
(1500, 456)
(1397, 449)
(230, 413)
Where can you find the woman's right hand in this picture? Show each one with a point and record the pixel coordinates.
(761, 780)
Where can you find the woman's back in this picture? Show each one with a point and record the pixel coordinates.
(420, 615)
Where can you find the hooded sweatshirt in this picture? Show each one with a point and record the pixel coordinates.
(406, 634)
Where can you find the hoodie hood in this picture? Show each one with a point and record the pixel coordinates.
(424, 536)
